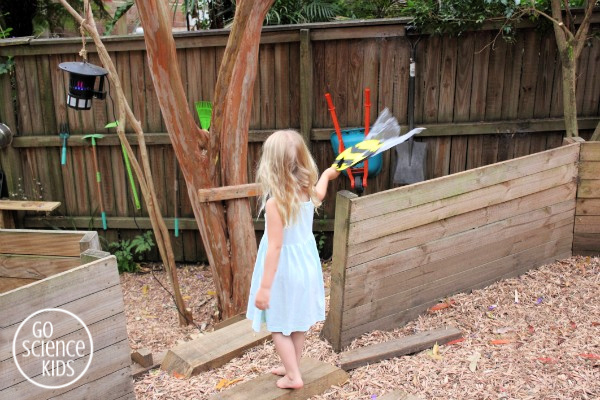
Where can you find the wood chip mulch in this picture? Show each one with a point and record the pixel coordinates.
(536, 336)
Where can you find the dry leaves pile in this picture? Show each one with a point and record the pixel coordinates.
(532, 337)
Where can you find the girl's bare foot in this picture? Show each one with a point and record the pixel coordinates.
(278, 371)
(286, 383)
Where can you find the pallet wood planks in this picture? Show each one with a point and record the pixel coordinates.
(90, 291)
(358, 357)
(213, 349)
(586, 239)
(406, 248)
(317, 376)
(47, 243)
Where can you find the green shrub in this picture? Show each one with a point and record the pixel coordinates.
(130, 251)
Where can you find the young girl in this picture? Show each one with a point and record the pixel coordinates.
(287, 284)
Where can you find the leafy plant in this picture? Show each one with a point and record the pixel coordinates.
(301, 11)
(321, 237)
(119, 13)
(130, 251)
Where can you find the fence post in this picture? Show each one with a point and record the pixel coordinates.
(10, 160)
(332, 329)
(306, 85)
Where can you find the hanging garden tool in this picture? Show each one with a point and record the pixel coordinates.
(136, 199)
(383, 136)
(204, 110)
(341, 139)
(64, 135)
(93, 138)
(411, 166)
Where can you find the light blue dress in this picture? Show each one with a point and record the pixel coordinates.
(297, 294)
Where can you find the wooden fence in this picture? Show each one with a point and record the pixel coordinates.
(400, 251)
(481, 104)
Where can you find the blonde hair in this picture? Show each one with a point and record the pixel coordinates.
(285, 171)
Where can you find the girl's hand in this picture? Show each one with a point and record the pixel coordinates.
(332, 173)
(262, 298)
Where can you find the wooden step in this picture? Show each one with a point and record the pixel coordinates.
(213, 349)
(398, 395)
(398, 347)
(317, 376)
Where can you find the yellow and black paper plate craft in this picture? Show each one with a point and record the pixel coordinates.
(357, 153)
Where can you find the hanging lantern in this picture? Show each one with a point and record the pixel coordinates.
(82, 79)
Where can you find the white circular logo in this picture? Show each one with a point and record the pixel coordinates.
(45, 352)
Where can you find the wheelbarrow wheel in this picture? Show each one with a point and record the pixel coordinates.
(358, 185)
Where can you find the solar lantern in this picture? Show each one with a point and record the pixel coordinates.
(82, 80)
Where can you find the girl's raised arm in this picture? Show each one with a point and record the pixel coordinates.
(321, 187)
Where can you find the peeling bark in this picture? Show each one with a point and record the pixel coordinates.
(218, 159)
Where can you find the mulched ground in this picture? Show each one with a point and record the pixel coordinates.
(532, 337)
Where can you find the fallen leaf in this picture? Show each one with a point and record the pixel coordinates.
(186, 297)
(490, 315)
(178, 375)
(456, 341)
(441, 306)
(145, 289)
(501, 341)
(473, 361)
(531, 329)
(573, 325)
(211, 293)
(233, 381)
(595, 323)
(221, 384)
(503, 330)
(435, 352)
(590, 356)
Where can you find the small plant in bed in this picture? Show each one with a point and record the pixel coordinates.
(130, 251)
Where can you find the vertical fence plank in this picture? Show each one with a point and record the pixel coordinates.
(591, 99)
(495, 88)
(100, 107)
(582, 76)
(153, 113)
(512, 79)
(320, 112)
(267, 87)
(340, 83)
(295, 96)
(529, 74)
(121, 187)
(10, 159)
(138, 95)
(545, 76)
(400, 79)
(25, 123)
(355, 83)
(282, 85)
(370, 78)
(209, 73)
(489, 143)
(306, 85)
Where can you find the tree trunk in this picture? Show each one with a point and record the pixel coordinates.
(231, 120)
(230, 243)
(569, 83)
(596, 135)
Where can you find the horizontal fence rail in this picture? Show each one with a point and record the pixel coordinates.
(482, 104)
